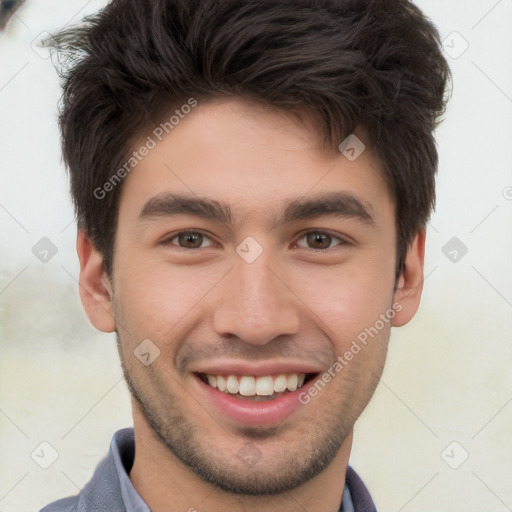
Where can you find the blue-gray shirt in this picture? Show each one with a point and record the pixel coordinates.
(111, 490)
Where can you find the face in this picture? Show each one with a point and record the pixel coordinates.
(253, 260)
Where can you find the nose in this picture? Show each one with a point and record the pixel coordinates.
(255, 304)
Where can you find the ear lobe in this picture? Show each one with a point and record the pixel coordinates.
(95, 286)
(410, 282)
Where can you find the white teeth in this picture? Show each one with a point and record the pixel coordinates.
(280, 383)
(248, 385)
(212, 381)
(292, 381)
(264, 386)
(232, 384)
(221, 383)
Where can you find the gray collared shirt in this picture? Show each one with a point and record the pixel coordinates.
(111, 490)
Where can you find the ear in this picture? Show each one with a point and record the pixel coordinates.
(410, 282)
(95, 286)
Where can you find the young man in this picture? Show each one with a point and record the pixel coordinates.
(252, 182)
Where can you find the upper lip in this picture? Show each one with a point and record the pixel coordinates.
(258, 369)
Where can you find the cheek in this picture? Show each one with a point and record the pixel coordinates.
(350, 298)
(154, 302)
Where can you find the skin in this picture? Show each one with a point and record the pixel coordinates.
(297, 301)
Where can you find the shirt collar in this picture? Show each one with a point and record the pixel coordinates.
(122, 448)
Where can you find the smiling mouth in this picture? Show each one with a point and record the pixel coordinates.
(249, 387)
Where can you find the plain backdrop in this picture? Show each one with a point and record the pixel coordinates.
(436, 436)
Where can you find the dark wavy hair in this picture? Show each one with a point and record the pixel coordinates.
(374, 64)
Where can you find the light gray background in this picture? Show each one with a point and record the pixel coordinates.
(448, 377)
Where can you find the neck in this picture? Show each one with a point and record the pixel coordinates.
(167, 485)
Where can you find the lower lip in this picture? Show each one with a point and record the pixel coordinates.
(251, 413)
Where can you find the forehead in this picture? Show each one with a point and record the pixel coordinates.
(250, 157)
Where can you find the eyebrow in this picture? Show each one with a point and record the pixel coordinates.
(166, 204)
(339, 204)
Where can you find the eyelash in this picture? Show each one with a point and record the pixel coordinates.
(168, 240)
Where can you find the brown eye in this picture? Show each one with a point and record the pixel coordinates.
(319, 240)
(189, 240)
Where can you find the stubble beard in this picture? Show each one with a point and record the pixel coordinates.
(316, 447)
